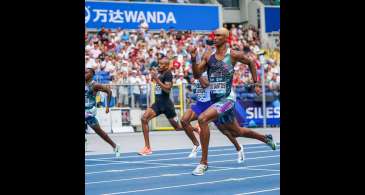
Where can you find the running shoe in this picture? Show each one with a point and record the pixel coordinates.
(117, 151)
(270, 141)
(194, 151)
(241, 155)
(200, 170)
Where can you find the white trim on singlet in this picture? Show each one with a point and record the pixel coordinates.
(228, 52)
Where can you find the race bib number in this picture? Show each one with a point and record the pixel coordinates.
(217, 84)
(218, 87)
(158, 90)
(203, 95)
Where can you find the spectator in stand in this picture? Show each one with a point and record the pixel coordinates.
(123, 89)
(250, 34)
(175, 63)
(143, 96)
(180, 79)
(135, 85)
(274, 84)
(143, 27)
(102, 34)
(125, 36)
(95, 52)
(90, 62)
(234, 30)
(89, 46)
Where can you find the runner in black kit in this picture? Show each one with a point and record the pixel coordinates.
(163, 104)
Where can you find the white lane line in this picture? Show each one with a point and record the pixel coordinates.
(177, 174)
(256, 192)
(193, 184)
(252, 152)
(172, 165)
(248, 167)
(187, 152)
(263, 169)
(246, 146)
(166, 159)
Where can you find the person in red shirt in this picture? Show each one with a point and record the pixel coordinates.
(175, 63)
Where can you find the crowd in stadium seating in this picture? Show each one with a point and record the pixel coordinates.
(124, 57)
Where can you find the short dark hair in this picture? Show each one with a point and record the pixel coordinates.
(92, 70)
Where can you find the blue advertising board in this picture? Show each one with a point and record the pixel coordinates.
(128, 15)
(249, 113)
(272, 18)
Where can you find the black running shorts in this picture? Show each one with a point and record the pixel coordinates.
(164, 107)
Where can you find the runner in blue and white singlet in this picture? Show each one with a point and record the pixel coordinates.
(91, 89)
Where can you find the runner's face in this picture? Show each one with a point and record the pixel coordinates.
(88, 74)
(219, 38)
(164, 65)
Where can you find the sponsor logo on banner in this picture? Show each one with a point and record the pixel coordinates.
(121, 16)
(87, 15)
(250, 113)
(258, 113)
(159, 16)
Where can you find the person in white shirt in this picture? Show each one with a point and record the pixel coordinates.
(143, 26)
(181, 80)
(143, 88)
(274, 84)
(123, 89)
(89, 47)
(110, 67)
(135, 85)
(133, 36)
(95, 52)
(249, 34)
(90, 62)
(124, 66)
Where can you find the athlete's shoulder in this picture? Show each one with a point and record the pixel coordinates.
(236, 53)
(167, 73)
